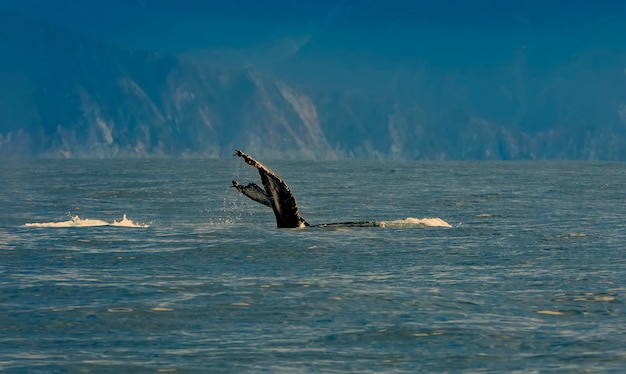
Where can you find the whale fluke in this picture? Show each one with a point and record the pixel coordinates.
(275, 194)
(254, 192)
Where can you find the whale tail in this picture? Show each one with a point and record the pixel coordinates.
(275, 194)
(254, 192)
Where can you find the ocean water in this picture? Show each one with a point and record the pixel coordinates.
(160, 266)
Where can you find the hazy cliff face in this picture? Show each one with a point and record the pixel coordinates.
(71, 96)
(338, 79)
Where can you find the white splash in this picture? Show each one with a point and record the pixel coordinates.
(413, 222)
(76, 221)
(126, 222)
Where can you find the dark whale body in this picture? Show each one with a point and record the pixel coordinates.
(275, 194)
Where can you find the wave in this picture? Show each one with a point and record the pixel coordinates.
(419, 222)
(407, 222)
(76, 221)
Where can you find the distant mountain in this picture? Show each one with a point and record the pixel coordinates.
(66, 95)
(399, 91)
(485, 79)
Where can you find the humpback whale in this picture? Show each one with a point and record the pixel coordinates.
(275, 193)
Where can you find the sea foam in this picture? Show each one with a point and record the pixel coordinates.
(76, 221)
(411, 222)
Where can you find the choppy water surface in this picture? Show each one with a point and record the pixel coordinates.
(530, 277)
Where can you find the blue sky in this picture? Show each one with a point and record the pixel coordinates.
(343, 41)
(174, 25)
(350, 42)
